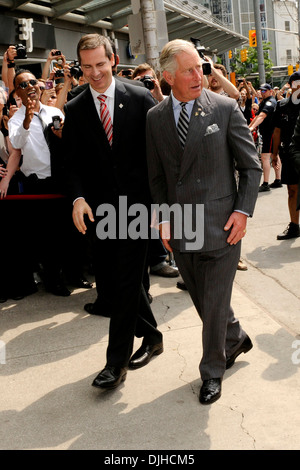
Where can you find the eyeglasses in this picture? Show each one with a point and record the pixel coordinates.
(24, 85)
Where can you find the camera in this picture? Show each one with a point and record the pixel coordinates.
(75, 70)
(147, 80)
(56, 53)
(59, 73)
(56, 122)
(206, 67)
(21, 51)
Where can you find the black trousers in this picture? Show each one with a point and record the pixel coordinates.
(119, 268)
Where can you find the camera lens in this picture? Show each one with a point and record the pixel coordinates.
(148, 82)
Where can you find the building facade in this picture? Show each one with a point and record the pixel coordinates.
(279, 23)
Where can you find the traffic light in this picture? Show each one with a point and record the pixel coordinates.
(252, 38)
(290, 69)
(230, 54)
(244, 55)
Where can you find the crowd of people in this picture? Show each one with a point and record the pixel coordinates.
(52, 180)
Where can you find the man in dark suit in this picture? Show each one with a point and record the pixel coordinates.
(192, 156)
(104, 139)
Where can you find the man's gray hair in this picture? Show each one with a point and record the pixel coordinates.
(168, 55)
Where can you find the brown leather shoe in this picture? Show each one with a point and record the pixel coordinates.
(165, 271)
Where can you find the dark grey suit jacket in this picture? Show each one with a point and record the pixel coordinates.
(218, 143)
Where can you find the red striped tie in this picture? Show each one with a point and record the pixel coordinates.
(105, 118)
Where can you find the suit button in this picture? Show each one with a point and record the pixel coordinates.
(179, 183)
(198, 180)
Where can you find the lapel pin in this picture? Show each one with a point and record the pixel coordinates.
(203, 113)
(121, 105)
(196, 114)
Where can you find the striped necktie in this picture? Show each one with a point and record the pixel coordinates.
(105, 118)
(183, 124)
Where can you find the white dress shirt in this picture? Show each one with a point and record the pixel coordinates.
(32, 142)
(110, 100)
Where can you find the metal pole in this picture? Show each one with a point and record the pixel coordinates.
(260, 54)
(299, 27)
(150, 33)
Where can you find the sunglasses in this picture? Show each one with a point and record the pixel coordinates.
(24, 85)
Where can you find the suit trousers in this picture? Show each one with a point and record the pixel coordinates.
(209, 279)
(119, 268)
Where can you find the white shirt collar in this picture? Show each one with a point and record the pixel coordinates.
(109, 92)
(176, 102)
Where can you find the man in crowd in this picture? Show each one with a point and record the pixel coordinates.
(27, 132)
(106, 160)
(195, 139)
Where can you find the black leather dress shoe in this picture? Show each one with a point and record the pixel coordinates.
(210, 391)
(143, 355)
(244, 347)
(60, 290)
(110, 377)
(181, 285)
(92, 309)
(3, 298)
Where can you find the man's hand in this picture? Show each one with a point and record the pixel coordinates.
(165, 234)
(237, 223)
(81, 208)
(275, 161)
(30, 108)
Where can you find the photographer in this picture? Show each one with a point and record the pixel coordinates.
(145, 73)
(219, 83)
(70, 75)
(8, 67)
(54, 54)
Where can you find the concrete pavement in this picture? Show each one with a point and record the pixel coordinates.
(54, 350)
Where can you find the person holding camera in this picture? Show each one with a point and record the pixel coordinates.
(145, 74)
(219, 83)
(27, 132)
(53, 55)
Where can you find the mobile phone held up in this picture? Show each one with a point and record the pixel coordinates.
(56, 122)
(48, 84)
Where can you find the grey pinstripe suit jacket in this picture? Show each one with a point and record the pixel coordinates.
(218, 143)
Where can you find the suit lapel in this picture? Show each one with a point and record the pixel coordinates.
(95, 124)
(120, 111)
(168, 129)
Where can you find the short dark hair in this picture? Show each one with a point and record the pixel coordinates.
(19, 72)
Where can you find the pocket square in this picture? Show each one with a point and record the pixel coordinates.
(211, 129)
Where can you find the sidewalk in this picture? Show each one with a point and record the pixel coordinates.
(54, 350)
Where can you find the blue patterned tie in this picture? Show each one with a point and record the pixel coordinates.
(183, 124)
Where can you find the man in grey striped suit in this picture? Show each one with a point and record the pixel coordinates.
(196, 140)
